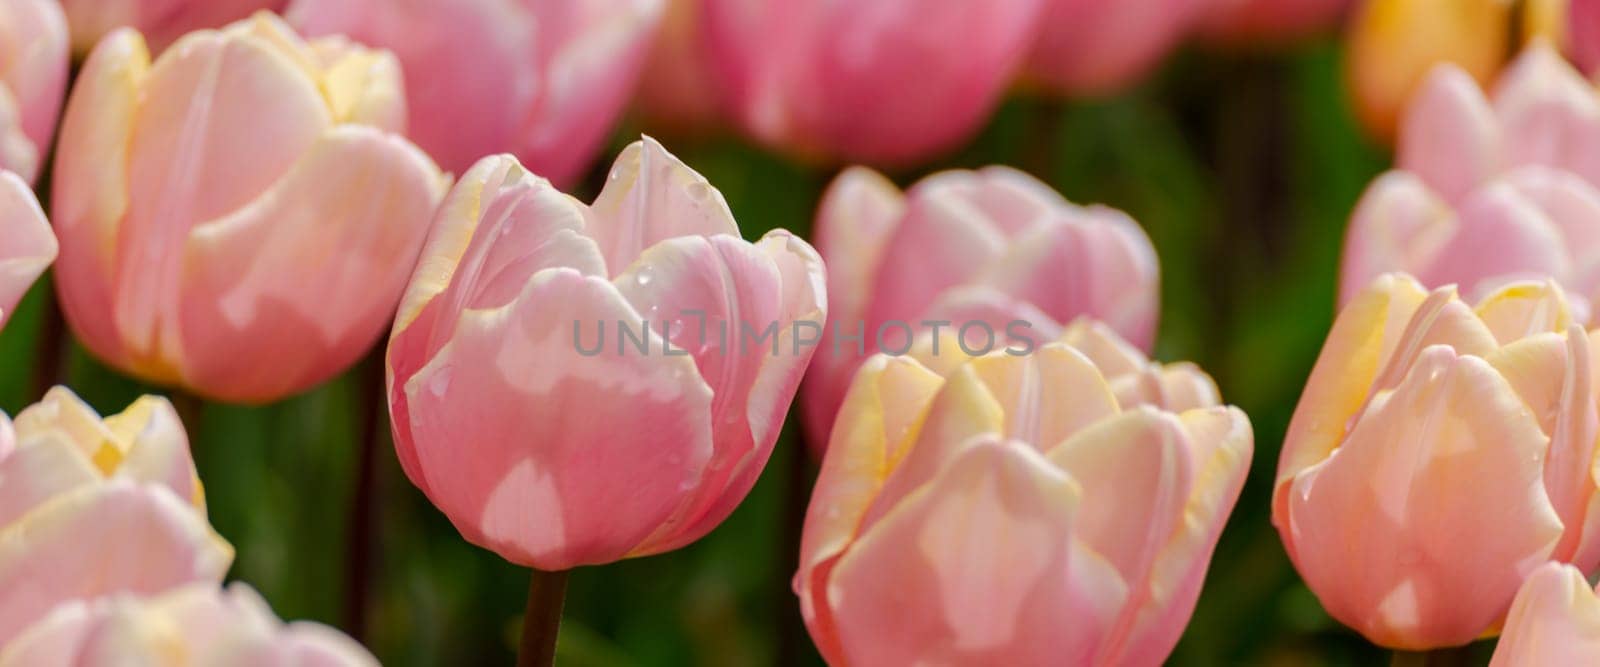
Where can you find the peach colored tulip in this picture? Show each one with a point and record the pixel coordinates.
(553, 456)
(27, 246)
(1393, 44)
(1241, 21)
(161, 21)
(1096, 47)
(1435, 444)
(877, 81)
(92, 507)
(992, 246)
(238, 217)
(678, 91)
(203, 623)
(542, 79)
(1489, 189)
(1555, 620)
(1015, 511)
(33, 77)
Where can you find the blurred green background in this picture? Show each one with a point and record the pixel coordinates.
(1243, 169)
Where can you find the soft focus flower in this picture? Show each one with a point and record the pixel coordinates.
(1241, 21)
(532, 423)
(161, 21)
(1095, 46)
(27, 245)
(196, 624)
(92, 507)
(1489, 190)
(1015, 511)
(542, 79)
(1436, 444)
(989, 250)
(1555, 620)
(881, 81)
(239, 217)
(33, 77)
(1583, 26)
(678, 91)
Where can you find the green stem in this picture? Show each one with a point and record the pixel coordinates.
(541, 622)
(1442, 657)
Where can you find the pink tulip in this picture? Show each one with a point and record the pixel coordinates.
(1583, 33)
(92, 507)
(1096, 47)
(27, 246)
(1269, 20)
(1015, 511)
(880, 81)
(1435, 444)
(161, 21)
(1489, 190)
(678, 91)
(33, 76)
(240, 216)
(543, 79)
(205, 624)
(554, 456)
(1555, 620)
(981, 250)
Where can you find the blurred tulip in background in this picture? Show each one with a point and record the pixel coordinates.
(555, 457)
(1097, 47)
(1583, 34)
(1015, 511)
(92, 507)
(543, 80)
(33, 77)
(1555, 620)
(162, 22)
(1248, 21)
(678, 91)
(196, 624)
(27, 246)
(993, 246)
(885, 82)
(1489, 189)
(239, 217)
(1437, 443)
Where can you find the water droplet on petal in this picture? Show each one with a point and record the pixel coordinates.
(643, 279)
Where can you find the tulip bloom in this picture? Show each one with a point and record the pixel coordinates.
(992, 249)
(207, 624)
(677, 90)
(545, 81)
(26, 244)
(883, 82)
(1095, 47)
(240, 216)
(1015, 511)
(1584, 33)
(1269, 20)
(161, 21)
(1489, 189)
(1555, 620)
(33, 77)
(1437, 443)
(92, 507)
(549, 441)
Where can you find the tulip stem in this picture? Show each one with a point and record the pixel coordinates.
(541, 622)
(358, 550)
(49, 354)
(1443, 657)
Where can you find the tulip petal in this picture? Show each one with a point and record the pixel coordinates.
(1499, 236)
(1573, 205)
(1555, 620)
(1449, 135)
(1399, 225)
(1522, 309)
(944, 238)
(41, 469)
(980, 567)
(519, 369)
(651, 196)
(1550, 113)
(1387, 505)
(27, 245)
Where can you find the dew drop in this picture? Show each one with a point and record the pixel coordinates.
(643, 279)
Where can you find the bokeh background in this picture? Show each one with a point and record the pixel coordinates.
(1242, 167)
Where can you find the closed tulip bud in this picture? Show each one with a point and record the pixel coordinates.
(1555, 620)
(1438, 443)
(202, 622)
(880, 82)
(1097, 47)
(1489, 189)
(1015, 511)
(968, 253)
(92, 507)
(1393, 44)
(160, 21)
(1246, 21)
(238, 217)
(33, 77)
(540, 430)
(27, 246)
(545, 81)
